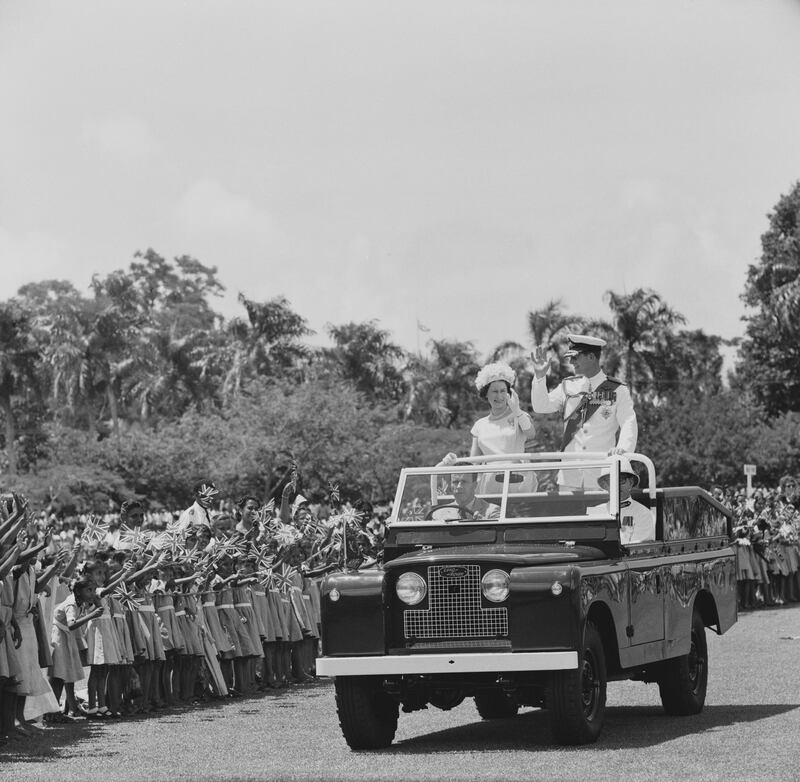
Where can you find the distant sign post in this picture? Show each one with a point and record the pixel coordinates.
(749, 471)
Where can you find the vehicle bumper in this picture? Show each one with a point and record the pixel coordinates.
(446, 663)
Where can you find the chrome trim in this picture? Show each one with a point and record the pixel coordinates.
(486, 662)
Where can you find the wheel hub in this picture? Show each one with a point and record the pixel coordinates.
(590, 686)
(695, 663)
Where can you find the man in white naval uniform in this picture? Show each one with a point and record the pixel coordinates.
(637, 522)
(597, 410)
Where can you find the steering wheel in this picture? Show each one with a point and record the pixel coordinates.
(434, 508)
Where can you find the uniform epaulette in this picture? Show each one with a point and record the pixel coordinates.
(616, 380)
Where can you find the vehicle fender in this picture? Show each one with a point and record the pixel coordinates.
(539, 616)
(353, 622)
(703, 583)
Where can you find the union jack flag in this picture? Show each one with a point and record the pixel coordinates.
(264, 568)
(281, 577)
(264, 559)
(135, 537)
(348, 518)
(230, 547)
(265, 513)
(286, 535)
(169, 542)
(416, 511)
(207, 492)
(125, 597)
(95, 531)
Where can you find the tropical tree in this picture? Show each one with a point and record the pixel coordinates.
(58, 313)
(769, 357)
(699, 439)
(153, 340)
(441, 390)
(640, 323)
(547, 327)
(364, 354)
(19, 358)
(174, 294)
(686, 361)
(84, 345)
(267, 344)
(167, 375)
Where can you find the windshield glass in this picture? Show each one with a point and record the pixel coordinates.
(502, 491)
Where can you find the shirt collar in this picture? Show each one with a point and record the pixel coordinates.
(597, 379)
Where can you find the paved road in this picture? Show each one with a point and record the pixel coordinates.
(749, 730)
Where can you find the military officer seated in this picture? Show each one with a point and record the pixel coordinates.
(466, 506)
(637, 522)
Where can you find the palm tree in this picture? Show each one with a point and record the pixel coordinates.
(167, 375)
(364, 354)
(18, 363)
(641, 320)
(266, 344)
(548, 327)
(440, 386)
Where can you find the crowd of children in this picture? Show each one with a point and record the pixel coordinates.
(129, 620)
(767, 543)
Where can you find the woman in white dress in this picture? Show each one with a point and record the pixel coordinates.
(506, 428)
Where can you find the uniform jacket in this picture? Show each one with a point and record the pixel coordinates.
(598, 433)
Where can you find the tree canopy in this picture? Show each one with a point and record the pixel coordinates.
(139, 386)
(769, 365)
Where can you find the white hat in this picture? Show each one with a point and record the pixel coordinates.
(579, 342)
(625, 468)
(499, 370)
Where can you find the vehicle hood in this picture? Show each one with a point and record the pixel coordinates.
(516, 555)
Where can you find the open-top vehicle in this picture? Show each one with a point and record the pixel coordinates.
(501, 585)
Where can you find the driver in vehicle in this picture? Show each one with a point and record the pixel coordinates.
(638, 524)
(466, 506)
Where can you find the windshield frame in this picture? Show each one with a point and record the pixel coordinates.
(508, 464)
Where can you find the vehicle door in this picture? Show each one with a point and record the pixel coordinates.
(645, 598)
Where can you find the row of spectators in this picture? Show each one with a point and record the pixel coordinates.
(767, 541)
(136, 612)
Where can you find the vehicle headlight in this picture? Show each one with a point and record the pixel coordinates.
(411, 588)
(494, 585)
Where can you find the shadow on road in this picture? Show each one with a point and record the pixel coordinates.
(65, 740)
(626, 727)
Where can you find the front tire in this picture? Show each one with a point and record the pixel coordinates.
(367, 715)
(577, 698)
(495, 705)
(683, 684)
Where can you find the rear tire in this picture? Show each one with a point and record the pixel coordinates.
(495, 705)
(577, 698)
(367, 715)
(684, 680)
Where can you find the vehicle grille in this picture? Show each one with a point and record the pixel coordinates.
(455, 609)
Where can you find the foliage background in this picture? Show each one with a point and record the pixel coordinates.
(139, 387)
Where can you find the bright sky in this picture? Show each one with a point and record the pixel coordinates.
(457, 162)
